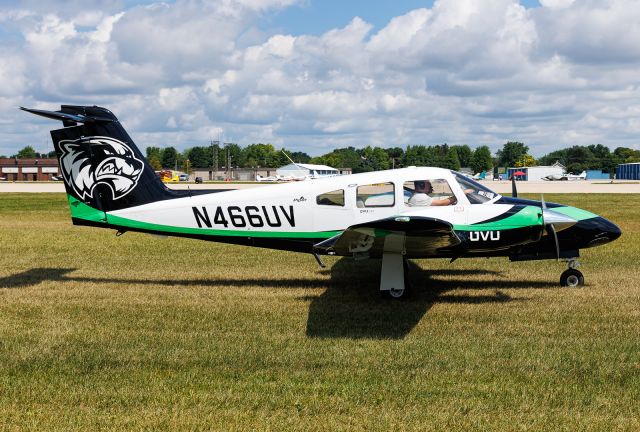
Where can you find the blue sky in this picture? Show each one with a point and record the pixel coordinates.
(310, 76)
(316, 17)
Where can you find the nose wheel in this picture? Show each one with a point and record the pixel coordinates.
(572, 277)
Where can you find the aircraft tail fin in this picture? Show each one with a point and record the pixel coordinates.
(101, 166)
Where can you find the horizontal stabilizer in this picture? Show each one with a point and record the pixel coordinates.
(66, 117)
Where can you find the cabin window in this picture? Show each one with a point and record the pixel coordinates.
(333, 198)
(376, 195)
(428, 192)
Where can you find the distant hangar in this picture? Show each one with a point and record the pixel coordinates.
(628, 171)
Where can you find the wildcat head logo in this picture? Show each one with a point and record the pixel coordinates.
(89, 161)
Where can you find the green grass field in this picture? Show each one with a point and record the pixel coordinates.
(99, 332)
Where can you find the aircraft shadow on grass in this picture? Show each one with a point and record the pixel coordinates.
(350, 306)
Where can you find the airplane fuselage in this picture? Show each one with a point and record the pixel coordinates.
(292, 216)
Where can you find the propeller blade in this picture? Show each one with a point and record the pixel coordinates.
(548, 218)
(514, 189)
(551, 228)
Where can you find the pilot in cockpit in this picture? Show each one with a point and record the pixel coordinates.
(421, 197)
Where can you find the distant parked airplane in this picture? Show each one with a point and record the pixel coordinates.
(566, 177)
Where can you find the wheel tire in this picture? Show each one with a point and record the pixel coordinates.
(395, 294)
(400, 294)
(572, 278)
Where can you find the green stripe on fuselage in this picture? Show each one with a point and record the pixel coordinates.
(129, 223)
(80, 210)
(528, 216)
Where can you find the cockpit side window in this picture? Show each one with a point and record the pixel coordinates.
(428, 192)
(332, 198)
(475, 192)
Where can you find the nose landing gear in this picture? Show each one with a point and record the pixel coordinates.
(572, 277)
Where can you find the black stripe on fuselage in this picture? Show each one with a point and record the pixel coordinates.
(525, 202)
(513, 210)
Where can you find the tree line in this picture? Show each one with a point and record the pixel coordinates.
(358, 159)
(512, 154)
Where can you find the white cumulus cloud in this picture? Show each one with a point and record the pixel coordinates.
(463, 71)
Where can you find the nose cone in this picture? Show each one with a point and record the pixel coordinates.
(604, 231)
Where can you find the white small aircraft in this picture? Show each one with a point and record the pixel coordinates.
(274, 178)
(566, 177)
(394, 215)
(279, 178)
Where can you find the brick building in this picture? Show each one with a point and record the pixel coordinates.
(13, 169)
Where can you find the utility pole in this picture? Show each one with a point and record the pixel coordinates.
(230, 174)
(214, 167)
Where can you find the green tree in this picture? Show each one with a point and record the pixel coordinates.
(237, 155)
(395, 155)
(441, 156)
(332, 159)
(262, 155)
(627, 155)
(299, 157)
(511, 152)
(452, 161)
(169, 158)
(464, 154)
(156, 154)
(342, 158)
(27, 153)
(526, 160)
(199, 157)
(553, 157)
(375, 158)
(155, 162)
(481, 160)
(414, 156)
(580, 158)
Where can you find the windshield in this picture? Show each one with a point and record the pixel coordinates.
(475, 192)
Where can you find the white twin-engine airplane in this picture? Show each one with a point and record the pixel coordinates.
(393, 215)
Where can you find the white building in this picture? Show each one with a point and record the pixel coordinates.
(537, 173)
(299, 170)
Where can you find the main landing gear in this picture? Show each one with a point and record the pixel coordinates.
(394, 276)
(572, 277)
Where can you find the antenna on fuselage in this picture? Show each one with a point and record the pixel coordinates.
(287, 156)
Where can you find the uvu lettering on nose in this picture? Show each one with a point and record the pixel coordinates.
(484, 235)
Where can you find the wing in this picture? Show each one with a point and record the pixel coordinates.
(413, 236)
